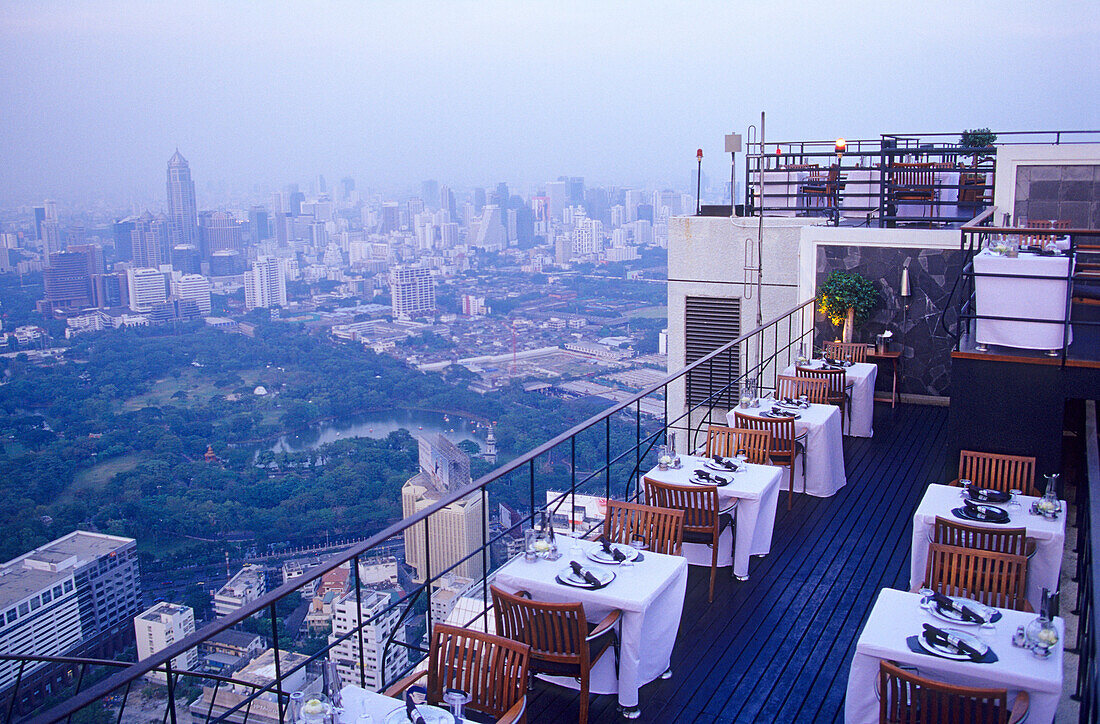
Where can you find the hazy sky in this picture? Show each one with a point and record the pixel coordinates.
(97, 94)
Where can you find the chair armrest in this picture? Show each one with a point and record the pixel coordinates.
(399, 686)
(610, 620)
(1019, 708)
(519, 711)
(955, 483)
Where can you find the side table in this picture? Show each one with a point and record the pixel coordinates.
(894, 357)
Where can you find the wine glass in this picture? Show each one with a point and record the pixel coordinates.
(1014, 501)
(965, 483)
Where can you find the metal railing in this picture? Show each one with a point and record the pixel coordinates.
(926, 179)
(604, 456)
(981, 233)
(1087, 686)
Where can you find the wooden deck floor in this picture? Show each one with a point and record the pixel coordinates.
(777, 648)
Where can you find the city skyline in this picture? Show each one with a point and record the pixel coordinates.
(393, 94)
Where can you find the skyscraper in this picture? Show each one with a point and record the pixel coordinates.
(258, 228)
(412, 292)
(265, 284)
(182, 211)
(146, 288)
(453, 532)
(68, 280)
(149, 241)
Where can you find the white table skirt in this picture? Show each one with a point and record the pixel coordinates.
(650, 595)
(898, 615)
(862, 377)
(1044, 568)
(1024, 298)
(756, 491)
(861, 194)
(824, 458)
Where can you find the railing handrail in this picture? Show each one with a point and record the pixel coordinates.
(140, 668)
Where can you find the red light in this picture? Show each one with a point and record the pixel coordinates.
(778, 151)
(699, 154)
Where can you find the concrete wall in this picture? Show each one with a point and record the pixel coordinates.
(1049, 182)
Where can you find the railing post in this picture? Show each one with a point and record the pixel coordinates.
(171, 713)
(638, 447)
(428, 575)
(572, 480)
(79, 681)
(278, 666)
(486, 560)
(15, 690)
(359, 626)
(607, 455)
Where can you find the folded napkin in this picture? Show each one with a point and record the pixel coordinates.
(727, 464)
(412, 712)
(584, 573)
(987, 495)
(702, 474)
(610, 550)
(983, 513)
(947, 603)
(940, 637)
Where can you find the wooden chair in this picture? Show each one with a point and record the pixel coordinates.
(1013, 541)
(704, 521)
(848, 351)
(561, 641)
(995, 579)
(660, 528)
(826, 189)
(838, 388)
(1043, 240)
(973, 191)
(729, 441)
(816, 390)
(912, 182)
(907, 698)
(998, 472)
(787, 445)
(491, 669)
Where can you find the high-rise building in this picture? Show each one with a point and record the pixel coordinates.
(258, 228)
(159, 627)
(68, 280)
(149, 241)
(412, 292)
(576, 190)
(39, 217)
(73, 596)
(491, 234)
(123, 230)
(146, 288)
(347, 613)
(182, 210)
(186, 259)
(265, 284)
(192, 288)
(557, 195)
(587, 237)
(447, 203)
(453, 532)
(220, 232)
(243, 588)
(448, 235)
(429, 192)
(391, 217)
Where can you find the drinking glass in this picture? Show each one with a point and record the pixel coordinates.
(804, 399)
(965, 483)
(1014, 501)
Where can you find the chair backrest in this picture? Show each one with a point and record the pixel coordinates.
(781, 429)
(998, 472)
(913, 174)
(1046, 224)
(555, 631)
(662, 529)
(907, 698)
(728, 441)
(999, 540)
(995, 579)
(491, 669)
(816, 390)
(973, 189)
(837, 379)
(699, 503)
(850, 351)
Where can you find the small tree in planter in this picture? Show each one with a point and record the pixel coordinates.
(847, 298)
(977, 139)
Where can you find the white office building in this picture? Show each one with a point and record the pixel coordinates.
(265, 284)
(243, 588)
(147, 288)
(161, 626)
(193, 287)
(379, 624)
(412, 292)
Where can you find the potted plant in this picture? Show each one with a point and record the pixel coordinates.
(847, 298)
(978, 138)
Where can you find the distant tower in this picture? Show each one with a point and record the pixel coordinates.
(182, 212)
(491, 445)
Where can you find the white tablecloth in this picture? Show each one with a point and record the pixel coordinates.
(1043, 569)
(861, 376)
(898, 615)
(782, 191)
(1026, 298)
(650, 595)
(824, 458)
(756, 490)
(861, 194)
(356, 701)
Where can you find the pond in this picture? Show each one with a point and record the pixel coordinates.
(379, 425)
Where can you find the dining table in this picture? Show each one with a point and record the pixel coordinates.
(357, 701)
(898, 615)
(755, 491)
(1033, 289)
(861, 376)
(649, 593)
(824, 458)
(1045, 566)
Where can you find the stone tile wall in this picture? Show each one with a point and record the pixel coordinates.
(1070, 192)
(925, 364)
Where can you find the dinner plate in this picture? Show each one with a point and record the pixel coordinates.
(570, 578)
(779, 415)
(600, 556)
(711, 481)
(721, 468)
(433, 714)
(988, 495)
(949, 653)
(993, 514)
(992, 615)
